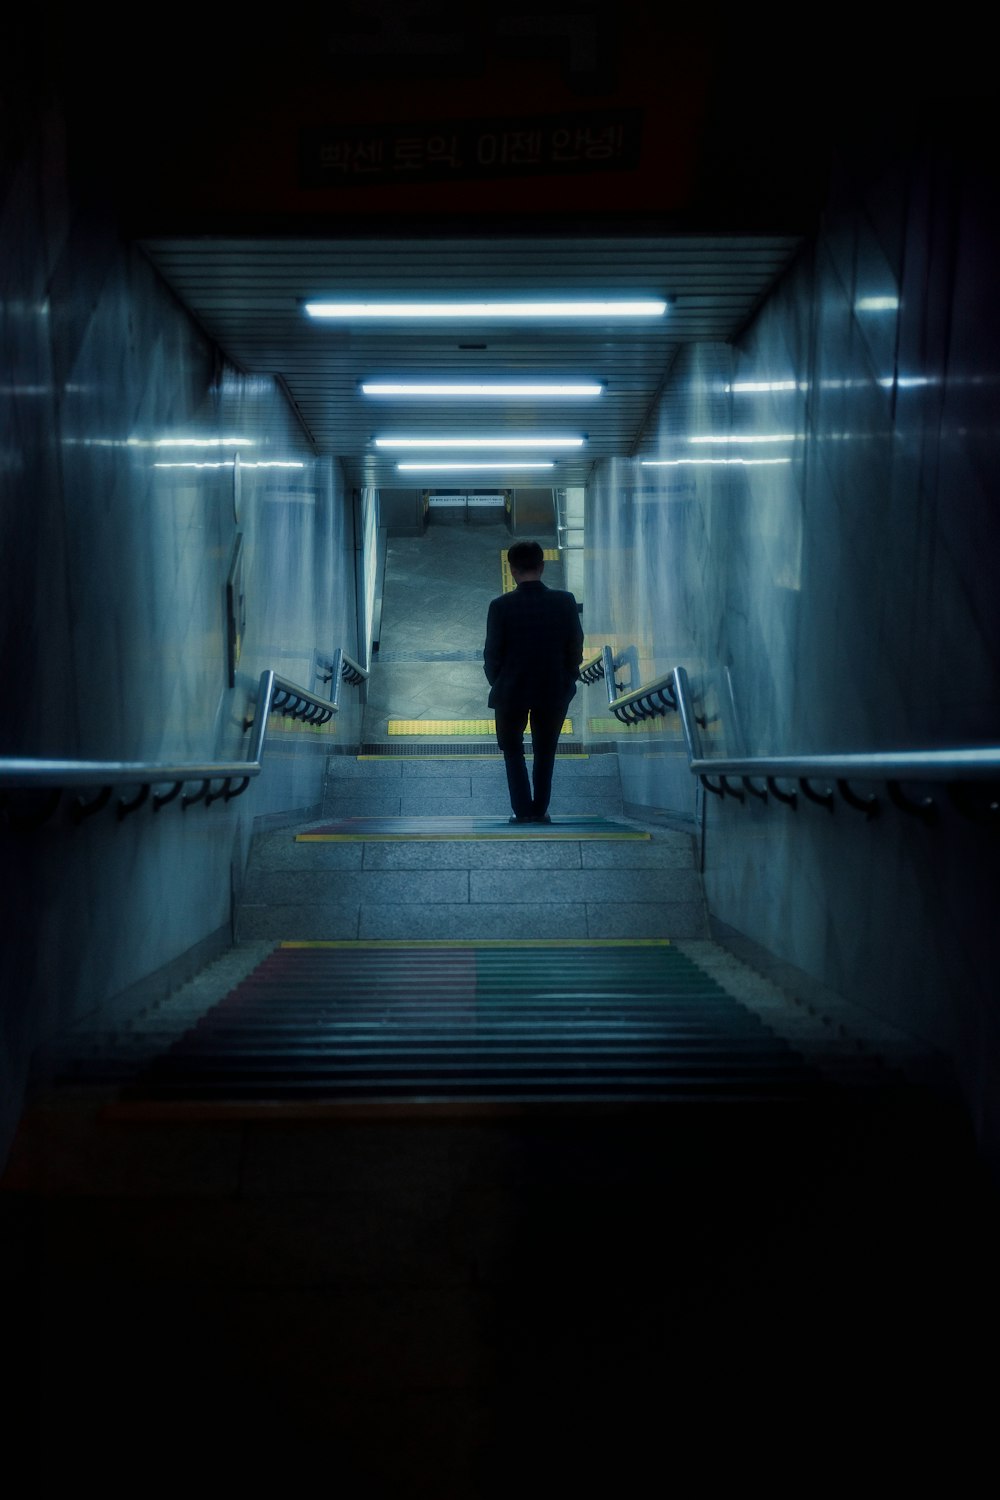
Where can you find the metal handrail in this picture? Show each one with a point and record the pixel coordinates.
(894, 767)
(592, 670)
(274, 695)
(654, 698)
(343, 668)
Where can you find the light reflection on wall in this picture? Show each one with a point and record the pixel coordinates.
(679, 463)
(227, 463)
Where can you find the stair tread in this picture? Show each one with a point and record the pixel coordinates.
(494, 1027)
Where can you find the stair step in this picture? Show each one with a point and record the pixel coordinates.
(470, 827)
(499, 1021)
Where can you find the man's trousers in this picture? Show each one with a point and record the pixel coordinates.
(530, 799)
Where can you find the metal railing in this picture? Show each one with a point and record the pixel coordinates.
(592, 670)
(819, 778)
(215, 780)
(567, 527)
(343, 668)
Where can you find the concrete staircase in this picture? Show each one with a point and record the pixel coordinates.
(402, 874)
(560, 1293)
(539, 886)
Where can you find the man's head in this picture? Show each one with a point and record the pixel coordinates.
(526, 561)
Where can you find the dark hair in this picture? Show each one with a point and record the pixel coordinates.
(525, 557)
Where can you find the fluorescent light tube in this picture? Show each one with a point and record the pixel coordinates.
(634, 308)
(501, 388)
(466, 468)
(481, 442)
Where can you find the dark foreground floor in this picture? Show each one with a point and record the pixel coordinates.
(580, 1302)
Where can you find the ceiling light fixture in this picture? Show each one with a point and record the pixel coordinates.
(502, 388)
(480, 442)
(466, 468)
(352, 311)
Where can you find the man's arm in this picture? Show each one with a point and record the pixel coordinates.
(494, 648)
(574, 639)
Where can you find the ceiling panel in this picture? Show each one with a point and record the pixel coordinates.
(249, 295)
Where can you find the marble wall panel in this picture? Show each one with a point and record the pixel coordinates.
(113, 610)
(32, 538)
(846, 597)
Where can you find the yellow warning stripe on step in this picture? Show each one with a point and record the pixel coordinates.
(425, 727)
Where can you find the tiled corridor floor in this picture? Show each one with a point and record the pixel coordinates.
(438, 589)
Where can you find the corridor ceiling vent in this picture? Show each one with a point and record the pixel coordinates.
(351, 312)
(503, 389)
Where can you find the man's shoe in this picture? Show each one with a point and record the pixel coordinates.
(514, 819)
(543, 819)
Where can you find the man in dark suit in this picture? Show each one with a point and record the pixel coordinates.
(534, 646)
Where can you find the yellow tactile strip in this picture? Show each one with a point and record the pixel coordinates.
(424, 727)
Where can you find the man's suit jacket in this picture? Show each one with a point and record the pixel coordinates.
(534, 646)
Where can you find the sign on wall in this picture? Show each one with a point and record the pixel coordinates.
(463, 150)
